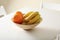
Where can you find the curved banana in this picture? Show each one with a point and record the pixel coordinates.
(32, 15)
(26, 15)
(39, 20)
(33, 20)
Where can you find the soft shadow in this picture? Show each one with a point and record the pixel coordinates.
(42, 34)
(38, 33)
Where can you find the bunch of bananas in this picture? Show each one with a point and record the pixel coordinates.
(32, 17)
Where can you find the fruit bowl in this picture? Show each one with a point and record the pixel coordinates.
(27, 21)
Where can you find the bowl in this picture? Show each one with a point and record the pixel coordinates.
(28, 27)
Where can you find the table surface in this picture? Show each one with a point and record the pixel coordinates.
(46, 30)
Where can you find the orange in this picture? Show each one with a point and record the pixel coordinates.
(18, 17)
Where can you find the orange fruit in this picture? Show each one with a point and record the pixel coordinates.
(18, 17)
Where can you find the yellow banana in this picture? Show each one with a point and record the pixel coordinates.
(39, 20)
(26, 15)
(31, 16)
(33, 20)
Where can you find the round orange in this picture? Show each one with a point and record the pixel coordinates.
(18, 17)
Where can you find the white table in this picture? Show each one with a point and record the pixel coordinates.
(47, 30)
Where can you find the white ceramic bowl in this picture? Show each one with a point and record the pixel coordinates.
(27, 27)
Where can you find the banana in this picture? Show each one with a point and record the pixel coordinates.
(26, 15)
(39, 20)
(31, 16)
(33, 20)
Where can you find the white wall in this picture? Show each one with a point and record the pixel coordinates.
(52, 1)
(3, 2)
(17, 4)
(12, 5)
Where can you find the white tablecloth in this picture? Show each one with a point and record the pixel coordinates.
(47, 30)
